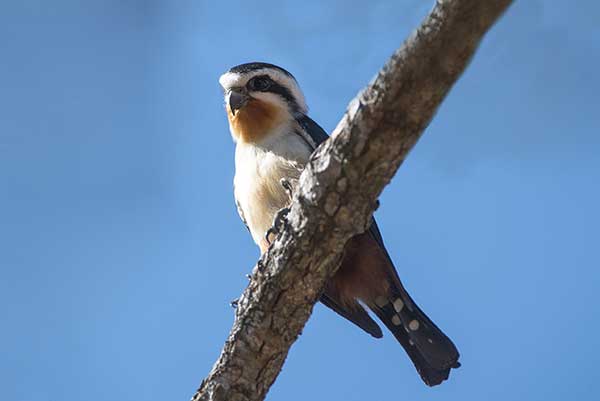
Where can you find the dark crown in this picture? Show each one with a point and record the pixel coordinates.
(249, 67)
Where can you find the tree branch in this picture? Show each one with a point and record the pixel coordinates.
(338, 192)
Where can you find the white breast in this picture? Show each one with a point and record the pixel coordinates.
(259, 169)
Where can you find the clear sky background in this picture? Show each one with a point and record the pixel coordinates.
(120, 246)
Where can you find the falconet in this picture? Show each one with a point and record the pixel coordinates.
(274, 136)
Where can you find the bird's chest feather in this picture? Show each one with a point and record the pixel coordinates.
(257, 182)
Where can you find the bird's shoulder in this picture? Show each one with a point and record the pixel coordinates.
(312, 132)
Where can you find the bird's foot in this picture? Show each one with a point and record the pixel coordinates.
(278, 224)
(280, 218)
(287, 186)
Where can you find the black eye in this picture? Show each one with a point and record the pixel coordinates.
(259, 84)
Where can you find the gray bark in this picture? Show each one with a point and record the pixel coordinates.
(338, 193)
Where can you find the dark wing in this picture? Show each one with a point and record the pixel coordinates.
(318, 136)
(356, 315)
(433, 359)
(314, 135)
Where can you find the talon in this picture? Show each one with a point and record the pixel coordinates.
(280, 217)
(278, 223)
(270, 231)
(288, 187)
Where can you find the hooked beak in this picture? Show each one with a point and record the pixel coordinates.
(237, 98)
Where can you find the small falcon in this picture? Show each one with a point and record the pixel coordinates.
(274, 139)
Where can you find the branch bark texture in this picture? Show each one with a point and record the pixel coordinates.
(338, 193)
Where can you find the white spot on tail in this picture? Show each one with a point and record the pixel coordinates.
(381, 301)
(411, 342)
(413, 325)
(398, 304)
(396, 320)
(430, 341)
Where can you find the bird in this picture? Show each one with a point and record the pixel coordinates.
(274, 139)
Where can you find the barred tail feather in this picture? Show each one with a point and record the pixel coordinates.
(432, 353)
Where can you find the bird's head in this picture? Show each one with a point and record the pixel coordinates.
(260, 98)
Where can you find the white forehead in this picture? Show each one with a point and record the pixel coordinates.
(236, 80)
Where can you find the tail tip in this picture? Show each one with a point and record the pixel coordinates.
(433, 377)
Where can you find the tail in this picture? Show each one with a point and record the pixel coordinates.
(430, 350)
(432, 353)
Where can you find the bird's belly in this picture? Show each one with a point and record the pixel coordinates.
(261, 194)
(264, 198)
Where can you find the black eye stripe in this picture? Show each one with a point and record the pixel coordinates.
(281, 91)
(275, 88)
(284, 93)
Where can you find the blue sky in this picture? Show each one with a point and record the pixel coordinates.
(120, 246)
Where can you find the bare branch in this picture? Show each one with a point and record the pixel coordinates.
(338, 192)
